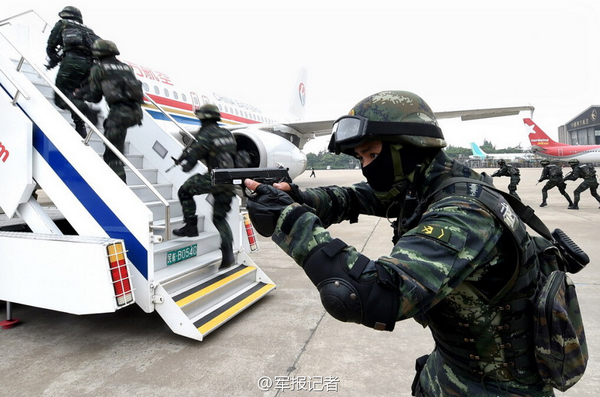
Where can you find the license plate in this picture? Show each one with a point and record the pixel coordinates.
(182, 254)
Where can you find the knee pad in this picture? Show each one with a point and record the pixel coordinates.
(367, 294)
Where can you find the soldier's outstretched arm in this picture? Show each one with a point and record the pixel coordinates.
(421, 270)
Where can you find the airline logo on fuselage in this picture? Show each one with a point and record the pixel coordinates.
(302, 94)
(540, 141)
(3, 153)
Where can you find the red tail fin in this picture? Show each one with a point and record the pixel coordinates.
(537, 137)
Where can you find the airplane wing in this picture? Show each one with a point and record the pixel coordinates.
(476, 114)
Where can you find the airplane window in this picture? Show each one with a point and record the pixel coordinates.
(145, 87)
(183, 97)
(156, 90)
(166, 93)
(175, 95)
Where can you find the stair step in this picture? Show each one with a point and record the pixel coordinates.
(209, 321)
(142, 191)
(158, 212)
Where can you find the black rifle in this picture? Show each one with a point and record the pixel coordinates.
(236, 176)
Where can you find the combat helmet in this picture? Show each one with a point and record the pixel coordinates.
(104, 48)
(573, 162)
(208, 112)
(501, 162)
(70, 12)
(544, 162)
(392, 116)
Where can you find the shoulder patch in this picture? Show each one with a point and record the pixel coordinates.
(439, 233)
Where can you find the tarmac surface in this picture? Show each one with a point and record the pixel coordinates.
(286, 344)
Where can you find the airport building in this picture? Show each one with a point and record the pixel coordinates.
(583, 129)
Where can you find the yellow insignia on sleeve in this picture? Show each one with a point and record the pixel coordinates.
(436, 232)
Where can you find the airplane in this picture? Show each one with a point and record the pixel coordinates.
(270, 142)
(479, 154)
(543, 145)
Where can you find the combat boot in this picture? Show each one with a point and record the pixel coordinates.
(190, 229)
(573, 207)
(543, 204)
(228, 258)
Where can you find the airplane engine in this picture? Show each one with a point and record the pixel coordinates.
(268, 149)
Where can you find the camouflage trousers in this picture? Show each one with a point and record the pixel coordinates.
(561, 188)
(512, 186)
(119, 119)
(222, 195)
(585, 185)
(72, 74)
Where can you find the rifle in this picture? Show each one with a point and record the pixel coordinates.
(236, 176)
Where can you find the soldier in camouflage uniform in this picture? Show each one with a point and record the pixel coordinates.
(451, 261)
(553, 173)
(69, 45)
(216, 148)
(116, 82)
(588, 173)
(513, 173)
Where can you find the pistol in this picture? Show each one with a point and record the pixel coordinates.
(236, 176)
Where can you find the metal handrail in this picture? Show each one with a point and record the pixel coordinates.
(156, 105)
(6, 21)
(101, 136)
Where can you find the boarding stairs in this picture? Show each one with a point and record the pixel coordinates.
(177, 277)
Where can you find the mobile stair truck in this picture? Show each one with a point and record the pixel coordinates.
(111, 245)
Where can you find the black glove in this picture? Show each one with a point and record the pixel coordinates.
(187, 165)
(264, 208)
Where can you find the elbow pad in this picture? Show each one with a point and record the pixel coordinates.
(370, 301)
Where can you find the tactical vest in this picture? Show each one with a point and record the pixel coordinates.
(119, 84)
(504, 329)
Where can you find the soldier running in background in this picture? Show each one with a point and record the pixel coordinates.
(513, 173)
(588, 173)
(553, 173)
(70, 45)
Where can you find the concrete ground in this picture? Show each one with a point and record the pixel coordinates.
(284, 345)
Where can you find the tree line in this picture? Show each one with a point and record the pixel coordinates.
(324, 159)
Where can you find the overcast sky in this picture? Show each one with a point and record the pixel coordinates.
(454, 54)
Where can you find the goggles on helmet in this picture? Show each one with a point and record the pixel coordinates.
(350, 131)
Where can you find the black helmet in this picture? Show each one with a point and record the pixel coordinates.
(544, 162)
(208, 112)
(501, 162)
(573, 162)
(70, 12)
(104, 48)
(391, 116)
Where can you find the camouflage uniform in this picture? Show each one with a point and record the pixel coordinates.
(109, 78)
(216, 148)
(589, 182)
(515, 178)
(553, 173)
(446, 279)
(75, 63)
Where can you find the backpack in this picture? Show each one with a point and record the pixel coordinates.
(587, 171)
(560, 345)
(554, 172)
(120, 84)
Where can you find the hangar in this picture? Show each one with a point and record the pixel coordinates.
(583, 129)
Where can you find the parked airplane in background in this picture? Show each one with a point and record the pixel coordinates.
(269, 141)
(479, 154)
(543, 145)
